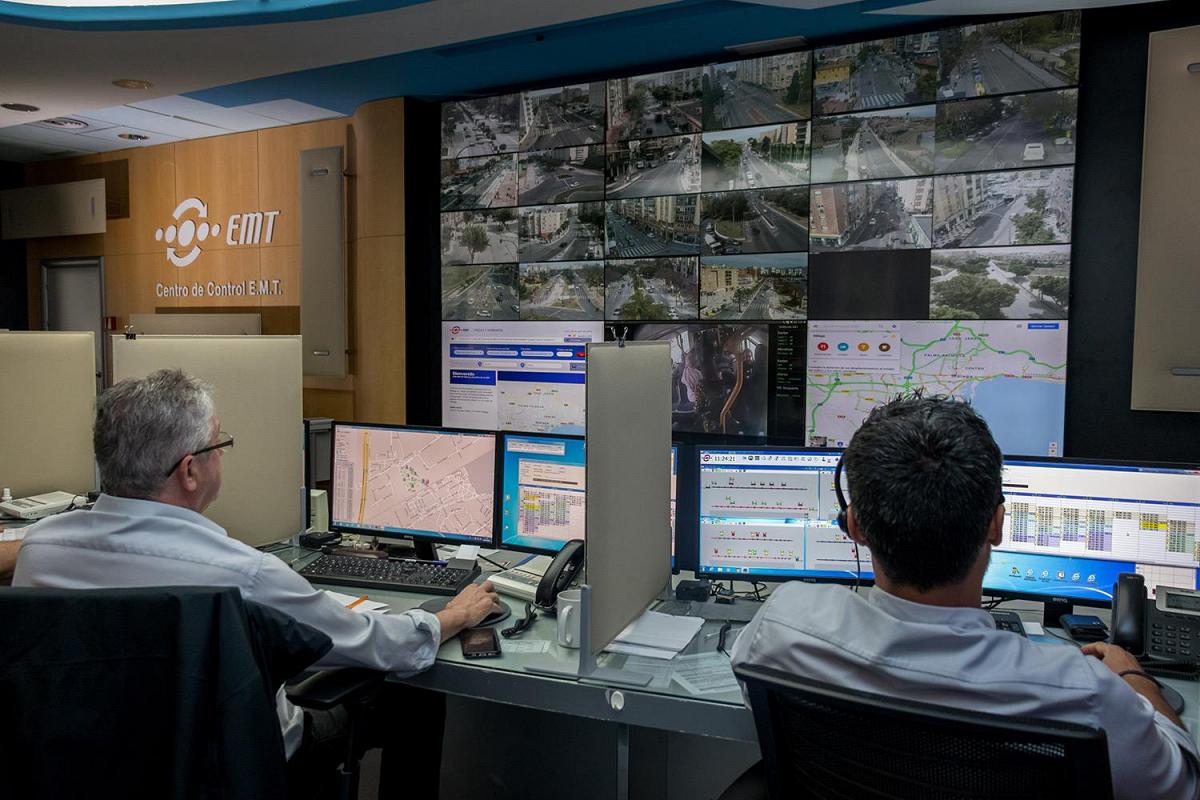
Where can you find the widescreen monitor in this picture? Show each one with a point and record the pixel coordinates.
(1071, 527)
(543, 484)
(771, 514)
(430, 484)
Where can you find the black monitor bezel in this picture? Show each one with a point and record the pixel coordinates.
(1068, 461)
(502, 448)
(848, 580)
(417, 537)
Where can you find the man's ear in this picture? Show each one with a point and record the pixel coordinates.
(187, 476)
(996, 527)
(855, 532)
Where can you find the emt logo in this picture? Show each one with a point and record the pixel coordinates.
(192, 227)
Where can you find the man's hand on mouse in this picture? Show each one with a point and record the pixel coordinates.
(1115, 658)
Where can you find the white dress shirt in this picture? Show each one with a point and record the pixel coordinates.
(877, 642)
(126, 542)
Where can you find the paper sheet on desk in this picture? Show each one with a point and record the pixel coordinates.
(524, 646)
(659, 631)
(705, 673)
(363, 607)
(658, 670)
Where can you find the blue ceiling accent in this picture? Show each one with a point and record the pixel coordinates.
(692, 31)
(190, 15)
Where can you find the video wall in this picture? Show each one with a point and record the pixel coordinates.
(812, 232)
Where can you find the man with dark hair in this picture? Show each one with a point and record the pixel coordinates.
(923, 476)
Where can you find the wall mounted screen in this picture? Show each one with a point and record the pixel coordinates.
(924, 181)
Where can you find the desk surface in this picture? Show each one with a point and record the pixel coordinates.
(665, 705)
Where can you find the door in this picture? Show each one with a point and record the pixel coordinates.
(73, 300)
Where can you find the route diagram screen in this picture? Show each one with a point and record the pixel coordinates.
(435, 484)
(1013, 373)
(544, 480)
(1071, 528)
(773, 513)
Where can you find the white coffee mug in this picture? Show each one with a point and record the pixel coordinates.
(568, 617)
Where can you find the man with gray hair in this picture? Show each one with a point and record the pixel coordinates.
(159, 448)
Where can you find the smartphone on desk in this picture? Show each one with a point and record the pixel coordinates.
(479, 643)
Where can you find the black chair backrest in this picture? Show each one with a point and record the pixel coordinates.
(163, 693)
(824, 741)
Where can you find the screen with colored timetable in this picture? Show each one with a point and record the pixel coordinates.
(1072, 527)
(772, 514)
(544, 484)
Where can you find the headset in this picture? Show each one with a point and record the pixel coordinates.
(842, 517)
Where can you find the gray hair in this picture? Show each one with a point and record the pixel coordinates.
(144, 425)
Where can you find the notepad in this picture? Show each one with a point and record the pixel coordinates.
(655, 635)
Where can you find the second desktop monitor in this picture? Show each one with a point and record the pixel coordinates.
(543, 486)
(772, 514)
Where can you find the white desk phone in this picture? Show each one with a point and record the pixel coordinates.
(40, 505)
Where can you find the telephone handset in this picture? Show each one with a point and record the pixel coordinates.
(1162, 632)
(559, 574)
(1129, 613)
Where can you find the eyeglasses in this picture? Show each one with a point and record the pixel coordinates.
(223, 440)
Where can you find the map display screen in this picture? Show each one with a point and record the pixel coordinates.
(432, 484)
(1013, 373)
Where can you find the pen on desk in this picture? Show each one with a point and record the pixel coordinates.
(352, 604)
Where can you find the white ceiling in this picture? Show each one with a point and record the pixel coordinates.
(67, 72)
(161, 120)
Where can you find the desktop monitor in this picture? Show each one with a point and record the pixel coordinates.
(543, 487)
(429, 484)
(1072, 526)
(771, 514)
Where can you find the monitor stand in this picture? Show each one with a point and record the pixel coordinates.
(421, 550)
(1053, 611)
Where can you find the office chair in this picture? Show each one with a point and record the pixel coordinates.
(824, 741)
(354, 689)
(162, 693)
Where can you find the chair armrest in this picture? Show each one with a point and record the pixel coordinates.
(333, 687)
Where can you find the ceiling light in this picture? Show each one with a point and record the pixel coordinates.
(768, 45)
(66, 123)
(19, 107)
(132, 83)
(133, 137)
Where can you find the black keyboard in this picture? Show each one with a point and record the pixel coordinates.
(394, 574)
(1009, 621)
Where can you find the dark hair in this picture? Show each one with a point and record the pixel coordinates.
(924, 475)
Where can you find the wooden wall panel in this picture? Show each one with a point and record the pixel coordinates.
(377, 167)
(329, 403)
(281, 264)
(379, 382)
(258, 171)
(223, 172)
(152, 198)
(131, 281)
(278, 170)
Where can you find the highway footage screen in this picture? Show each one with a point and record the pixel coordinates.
(741, 208)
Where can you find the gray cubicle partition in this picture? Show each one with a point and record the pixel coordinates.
(628, 484)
